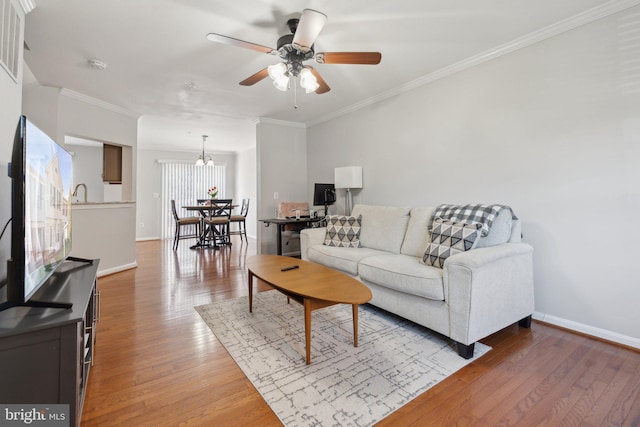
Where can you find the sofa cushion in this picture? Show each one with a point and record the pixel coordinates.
(343, 231)
(416, 238)
(383, 227)
(343, 259)
(449, 238)
(403, 273)
(500, 231)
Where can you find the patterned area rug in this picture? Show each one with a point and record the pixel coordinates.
(395, 361)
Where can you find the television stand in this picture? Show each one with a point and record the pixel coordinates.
(47, 355)
(35, 304)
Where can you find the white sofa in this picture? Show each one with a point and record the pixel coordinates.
(475, 294)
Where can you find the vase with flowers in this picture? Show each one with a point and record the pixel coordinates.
(213, 192)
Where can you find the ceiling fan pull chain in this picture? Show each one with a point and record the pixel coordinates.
(295, 92)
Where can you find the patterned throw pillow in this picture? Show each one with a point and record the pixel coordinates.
(343, 231)
(449, 238)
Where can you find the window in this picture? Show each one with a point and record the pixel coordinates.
(185, 183)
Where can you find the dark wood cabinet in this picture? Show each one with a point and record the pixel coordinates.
(46, 353)
(112, 164)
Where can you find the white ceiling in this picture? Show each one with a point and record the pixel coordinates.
(154, 49)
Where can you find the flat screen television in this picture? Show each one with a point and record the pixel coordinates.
(41, 174)
(324, 195)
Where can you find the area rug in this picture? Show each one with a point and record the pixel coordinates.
(395, 361)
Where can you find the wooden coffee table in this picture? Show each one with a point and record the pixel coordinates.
(312, 285)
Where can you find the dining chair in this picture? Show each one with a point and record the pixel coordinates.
(217, 222)
(240, 219)
(183, 222)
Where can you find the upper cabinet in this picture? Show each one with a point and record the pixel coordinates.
(112, 164)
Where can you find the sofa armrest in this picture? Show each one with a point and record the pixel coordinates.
(488, 289)
(310, 237)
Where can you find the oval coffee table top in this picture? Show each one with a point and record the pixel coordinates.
(309, 280)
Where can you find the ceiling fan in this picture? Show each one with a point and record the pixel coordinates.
(296, 48)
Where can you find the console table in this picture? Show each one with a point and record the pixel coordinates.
(46, 353)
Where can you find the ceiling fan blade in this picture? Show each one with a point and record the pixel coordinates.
(364, 58)
(310, 25)
(249, 81)
(324, 87)
(218, 38)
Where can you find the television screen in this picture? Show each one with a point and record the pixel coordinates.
(41, 180)
(47, 207)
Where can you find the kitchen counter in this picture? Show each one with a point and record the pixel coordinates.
(105, 230)
(126, 202)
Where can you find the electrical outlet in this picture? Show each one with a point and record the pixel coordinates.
(142, 225)
(275, 195)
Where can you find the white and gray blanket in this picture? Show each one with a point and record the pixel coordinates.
(470, 214)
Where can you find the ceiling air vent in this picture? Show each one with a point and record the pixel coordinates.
(10, 30)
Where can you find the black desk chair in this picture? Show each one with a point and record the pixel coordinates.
(183, 222)
(241, 220)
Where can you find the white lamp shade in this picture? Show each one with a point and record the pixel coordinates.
(348, 177)
(277, 71)
(308, 81)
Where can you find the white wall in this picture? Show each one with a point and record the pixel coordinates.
(281, 152)
(105, 231)
(552, 130)
(149, 182)
(87, 169)
(246, 185)
(42, 102)
(10, 108)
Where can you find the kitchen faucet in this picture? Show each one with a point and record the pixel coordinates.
(75, 191)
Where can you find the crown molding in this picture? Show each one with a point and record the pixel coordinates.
(271, 121)
(98, 103)
(27, 5)
(537, 36)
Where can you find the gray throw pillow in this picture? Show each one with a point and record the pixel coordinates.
(449, 238)
(343, 231)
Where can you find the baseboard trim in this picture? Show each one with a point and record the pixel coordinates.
(117, 269)
(588, 330)
(145, 239)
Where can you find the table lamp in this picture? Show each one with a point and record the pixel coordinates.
(348, 177)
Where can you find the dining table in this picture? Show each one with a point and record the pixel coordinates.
(207, 209)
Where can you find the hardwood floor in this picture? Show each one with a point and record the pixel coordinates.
(158, 364)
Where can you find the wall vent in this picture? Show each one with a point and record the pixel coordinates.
(10, 27)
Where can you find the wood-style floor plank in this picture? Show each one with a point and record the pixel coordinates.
(158, 364)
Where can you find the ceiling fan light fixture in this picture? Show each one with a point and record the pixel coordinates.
(282, 83)
(277, 71)
(279, 74)
(200, 161)
(308, 81)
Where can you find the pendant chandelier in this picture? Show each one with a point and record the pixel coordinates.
(204, 159)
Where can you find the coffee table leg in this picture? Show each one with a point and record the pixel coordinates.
(250, 292)
(307, 328)
(355, 325)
